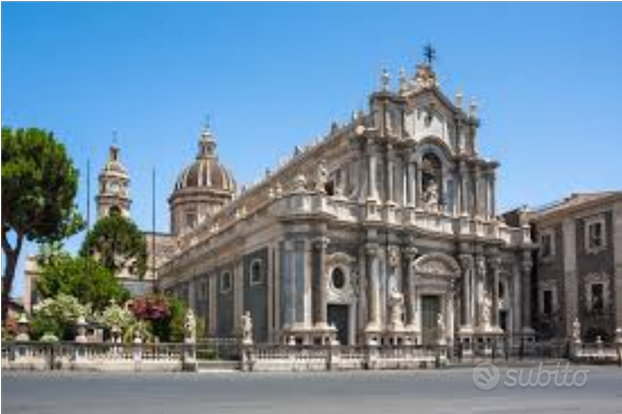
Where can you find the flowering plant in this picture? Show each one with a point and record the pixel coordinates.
(151, 308)
(116, 316)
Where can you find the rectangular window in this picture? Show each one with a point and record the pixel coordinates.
(225, 282)
(598, 298)
(547, 302)
(547, 245)
(595, 234)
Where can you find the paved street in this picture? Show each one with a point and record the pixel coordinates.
(357, 392)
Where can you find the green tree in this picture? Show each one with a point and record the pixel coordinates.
(39, 185)
(117, 243)
(80, 277)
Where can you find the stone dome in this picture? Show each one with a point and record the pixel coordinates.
(202, 189)
(206, 172)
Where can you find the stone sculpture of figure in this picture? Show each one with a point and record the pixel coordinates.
(431, 195)
(321, 177)
(576, 330)
(440, 323)
(486, 305)
(397, 307)
(247, 328)
(190, 326)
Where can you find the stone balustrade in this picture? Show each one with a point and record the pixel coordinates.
(336, 357)
(95, 356)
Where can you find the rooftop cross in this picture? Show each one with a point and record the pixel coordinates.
(429, 54)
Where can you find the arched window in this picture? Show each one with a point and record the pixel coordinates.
(114, 210)
(190, 218)
(226, 282)
(256, 270)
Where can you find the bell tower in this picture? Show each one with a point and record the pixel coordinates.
(114, 182)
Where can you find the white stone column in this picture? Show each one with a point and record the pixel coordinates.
(492, 194)
(320, 299)
(371, 172)
(494, 263)
(485, 201)
(409, 253)
(192, 295)
(416, 182)
(390, 196)
(289, 279)
(410, 182)
(466, 261)
(449, 314)
(477, 196)
(464, 192)
(373, 289)
(308, 312)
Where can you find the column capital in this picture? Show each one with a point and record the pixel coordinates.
(371, 249)
(466, 261)
(494, 262)
(320, 242)
(410, 252)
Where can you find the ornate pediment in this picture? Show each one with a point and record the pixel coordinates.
(437, 264)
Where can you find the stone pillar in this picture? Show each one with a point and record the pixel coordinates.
(372, 192)
(410, 182)
(416, 185)
(494, 262)
(390, 171)
(192, 297)
(526, 265)
(479, 287)
(320, 285)
(485, 195)
(409, 253)
(492, 195)
(307, 296)
(466, 261)
(373, 290)
(289, 313)
(477, 196)
(449, 315)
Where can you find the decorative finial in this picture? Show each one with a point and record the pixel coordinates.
(473, 108)
(403, 79)
(114, 148)
(206, 122)
(385, 80)
(207, 144)
(429, 54)
(458, 99)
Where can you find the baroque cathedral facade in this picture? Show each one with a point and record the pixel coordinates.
(384, 231)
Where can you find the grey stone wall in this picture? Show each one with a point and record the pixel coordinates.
(224, 304)
(256, 295)
(590, 263)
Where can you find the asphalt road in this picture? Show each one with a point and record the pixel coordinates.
(377, 392)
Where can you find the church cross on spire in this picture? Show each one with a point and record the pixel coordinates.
(429, 54)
